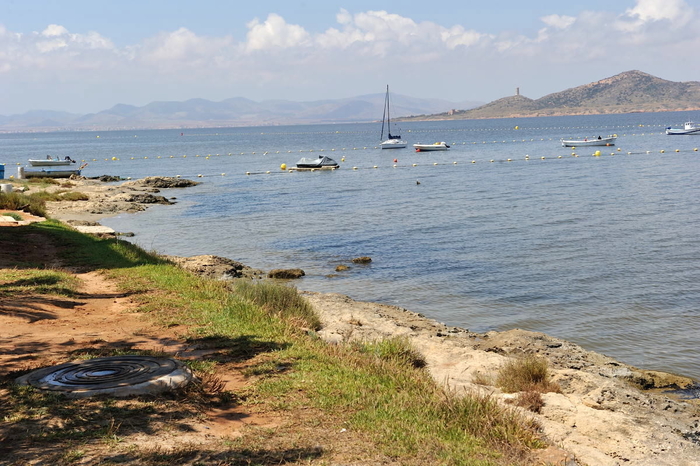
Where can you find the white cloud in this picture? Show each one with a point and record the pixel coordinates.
(275, 34)
(676, 13)
(558, 21)
(357, 48)
(182, 48)
(657, 10)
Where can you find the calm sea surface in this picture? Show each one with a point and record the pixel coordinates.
(602, 251)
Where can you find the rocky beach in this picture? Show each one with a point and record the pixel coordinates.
(608, 413)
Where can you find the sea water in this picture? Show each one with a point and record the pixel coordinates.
(507, 229)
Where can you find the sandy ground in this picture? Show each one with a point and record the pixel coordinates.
(600, 418)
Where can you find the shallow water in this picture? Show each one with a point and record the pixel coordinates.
(602, 251)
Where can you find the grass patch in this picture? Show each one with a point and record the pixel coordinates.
(25, 281)
(60, 195)
(528, 373)
(378, 392)
(280, 301)
(14, 215)
(21, 201)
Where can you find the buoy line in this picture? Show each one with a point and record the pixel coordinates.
(453, 163)
(338, 149)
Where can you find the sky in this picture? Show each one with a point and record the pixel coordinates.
(85, 56)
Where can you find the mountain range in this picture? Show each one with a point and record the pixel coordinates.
(628, 92)
(237, 111)
(631, 91)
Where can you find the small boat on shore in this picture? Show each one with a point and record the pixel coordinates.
(393, 141)
(429, 147)
(51, 162)
(599, 141)
(321, 162)
(51, 172)
(688, 128)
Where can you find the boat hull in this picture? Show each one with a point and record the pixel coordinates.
(430, 147)
(49, 163)
(393, 144)
(320, 162)
(677, 131)
(609, 141)
(50, 173)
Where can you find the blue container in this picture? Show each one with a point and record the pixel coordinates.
(2, 172)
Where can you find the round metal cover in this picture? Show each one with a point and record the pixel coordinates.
(116, 376)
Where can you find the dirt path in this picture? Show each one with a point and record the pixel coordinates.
(38, 330)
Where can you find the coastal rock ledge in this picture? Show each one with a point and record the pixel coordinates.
(218, 268)
(608, 414)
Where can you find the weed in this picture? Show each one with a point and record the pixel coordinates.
(14, 215)
(530, 400)
(279, 300)
(528, 373)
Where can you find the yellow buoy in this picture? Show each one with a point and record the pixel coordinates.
(596, 153)
(517, 127)
(114, 158)
(283, 166)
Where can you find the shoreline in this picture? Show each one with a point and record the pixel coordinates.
(602, 417)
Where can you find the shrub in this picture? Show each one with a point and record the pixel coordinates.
(279, 300)
(20, 201)
(528, 373)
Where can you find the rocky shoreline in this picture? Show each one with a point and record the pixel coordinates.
(608, 413)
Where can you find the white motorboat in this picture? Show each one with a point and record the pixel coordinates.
(321, 162)
(599, 141)
(428, 147)
(393, 141)
(688, 128)
(51, 162)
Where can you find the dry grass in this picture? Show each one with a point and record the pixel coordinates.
(528, 373)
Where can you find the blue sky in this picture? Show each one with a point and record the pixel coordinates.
(84, 56)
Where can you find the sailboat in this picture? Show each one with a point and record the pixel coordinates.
(393, 141)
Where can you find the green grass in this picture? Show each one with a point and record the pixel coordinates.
(35, 202)
(15, 216)
(379, 390)
(23, 281)
(20, 201)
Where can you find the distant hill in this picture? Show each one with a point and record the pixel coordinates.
(628, 92)
(237, 111)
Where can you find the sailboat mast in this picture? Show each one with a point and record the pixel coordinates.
(388, 116)
(386, 110)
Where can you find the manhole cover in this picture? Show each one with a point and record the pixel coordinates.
(115, 376)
